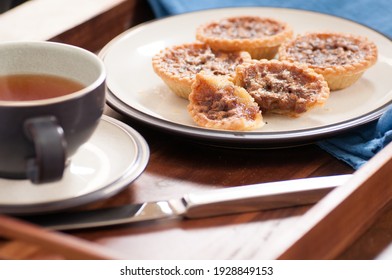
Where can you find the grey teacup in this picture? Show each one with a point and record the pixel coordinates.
(37, 137)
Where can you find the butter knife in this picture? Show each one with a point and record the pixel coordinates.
(230, 200)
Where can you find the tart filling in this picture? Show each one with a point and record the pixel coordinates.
(282, 87)
(261, 37)
(178, 65)
(340, 58)
(215, 102)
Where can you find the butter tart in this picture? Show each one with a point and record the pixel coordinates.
(340, 58)
(282, 87)
(215, 102)
(261, 37)
(178, 65)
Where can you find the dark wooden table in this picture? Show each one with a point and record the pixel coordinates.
(178, 166)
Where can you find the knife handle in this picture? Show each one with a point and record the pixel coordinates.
(260, 196)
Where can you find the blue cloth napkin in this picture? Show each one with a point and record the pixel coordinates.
(358, 146)
(376, 14)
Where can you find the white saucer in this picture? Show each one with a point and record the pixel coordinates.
(113, 157)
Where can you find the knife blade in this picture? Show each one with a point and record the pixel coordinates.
(247, 198)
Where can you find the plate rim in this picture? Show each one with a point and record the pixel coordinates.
(114, 187)
(236, 139)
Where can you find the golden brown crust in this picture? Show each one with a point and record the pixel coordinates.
(282, 87)
(215, 102)
(340, 58)
(178, 65)
(261, 37)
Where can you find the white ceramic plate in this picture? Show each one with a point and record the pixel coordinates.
(136, 91)
(113, 157)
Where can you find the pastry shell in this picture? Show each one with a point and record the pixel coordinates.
(340, 58)
(215, 102)
(282, 87)
(261, 37)
(178, 65)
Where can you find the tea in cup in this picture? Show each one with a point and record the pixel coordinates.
(52, 97)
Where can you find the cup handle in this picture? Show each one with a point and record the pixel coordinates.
(50, 149)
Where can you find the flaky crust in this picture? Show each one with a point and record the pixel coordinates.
(178, 65)
(351, 61)
(215, 102)
(282, 87)
(259, 45)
